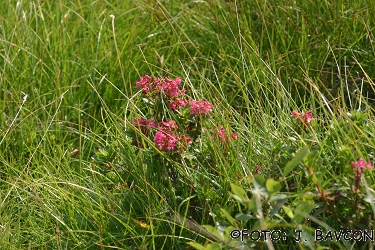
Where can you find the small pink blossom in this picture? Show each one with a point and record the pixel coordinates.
(170, 87)
(224, 136)
(148, 85)
(159, 139)
(361, 164)
(144, 122)
(304, 118)
(144, 81)
(164, 138)
(156, 85)
(234, 136)
(168, 126)
(165, 142)
(184, 140)
(295, 114)
(144, 125)
(200, 107)
(151, 124)
(359, 169)
(139, 122)
(176, 103)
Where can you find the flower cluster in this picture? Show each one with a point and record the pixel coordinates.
(359, 168)
(224, 137)
(144, 125)
(167, 136)
(176, 97)
(165, 139)
(166, 86)
(361, 165)
(200, 107)
(304, 118)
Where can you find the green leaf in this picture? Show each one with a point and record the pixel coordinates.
(238, 193)
(259, 184)
(213, 231)
(302, 210)
(244, 217)
(227, 216)
(104, 152)
(251, 205)
(296, 160)
(130, 133)
(311, 158)
(307, 234)
(227, 231)
(196, 245)
(288, 211)
(258, 180)
(95, 158)
(213, 246)
(314, 179)
(281, 199)
(33, 135)
(273, 186)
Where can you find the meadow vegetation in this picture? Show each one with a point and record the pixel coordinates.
(174, 124)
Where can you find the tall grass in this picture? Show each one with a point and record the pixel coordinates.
(72, 178)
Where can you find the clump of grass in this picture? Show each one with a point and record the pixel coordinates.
(72, 177)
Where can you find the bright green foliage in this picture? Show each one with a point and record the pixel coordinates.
(75, 173)
(295, 161)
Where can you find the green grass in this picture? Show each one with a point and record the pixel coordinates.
(71, 178)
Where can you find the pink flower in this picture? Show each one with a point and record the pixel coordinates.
(147, 85)
(139, 122)
(151, 124)
(308, 116)
(200, 107)
(361, 164)
(164, 138)
(234, 136)
(304, 118)
(168, 126)
(170, 87)
(157, 84)
(166, 85)
(144, 125)
(159, 139)
(224, 137)
(144, 81)
(359, 169)
(165, 142)
(184, 140)
(143, 122)
(221, 134)
(176, 103)
(295, 114)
